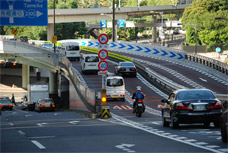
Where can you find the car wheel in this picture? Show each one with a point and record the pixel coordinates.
(217, 124)
(164, 122)
(174, 124)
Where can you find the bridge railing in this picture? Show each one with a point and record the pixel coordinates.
(85, 94)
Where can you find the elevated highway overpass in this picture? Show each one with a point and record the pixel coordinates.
(105, 13)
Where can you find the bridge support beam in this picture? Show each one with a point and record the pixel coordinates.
(50, 31)
(154, 30)
(25, 76)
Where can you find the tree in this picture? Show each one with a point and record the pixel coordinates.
(210, 32)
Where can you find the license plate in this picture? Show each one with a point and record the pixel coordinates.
(199, 107)
(139, 104)
(127, 70)
(47, 105)
(114, 96)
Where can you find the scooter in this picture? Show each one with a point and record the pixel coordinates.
(139, 108)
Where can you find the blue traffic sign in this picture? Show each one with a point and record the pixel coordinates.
(103, 23)
(121, 23)
(23, 13)
(218, 49)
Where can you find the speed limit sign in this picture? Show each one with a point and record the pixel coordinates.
(103, 54)
(103, 65)
(103, 38)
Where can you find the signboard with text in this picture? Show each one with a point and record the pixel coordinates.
(23, 13)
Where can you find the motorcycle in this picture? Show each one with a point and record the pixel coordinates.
(139, 108)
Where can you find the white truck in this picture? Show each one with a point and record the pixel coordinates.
(35, 92)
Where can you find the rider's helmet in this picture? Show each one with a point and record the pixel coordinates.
(138, 88)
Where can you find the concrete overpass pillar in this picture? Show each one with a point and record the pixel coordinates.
(25, 76)
(154, 31)
(53, 87)
(50, 31)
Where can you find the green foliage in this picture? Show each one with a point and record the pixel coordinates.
(210, 32)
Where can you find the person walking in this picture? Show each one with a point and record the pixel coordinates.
(13, 99)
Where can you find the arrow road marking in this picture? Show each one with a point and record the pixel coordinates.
(90, 44)
(173, 55)
(181, 57)
(125, 147)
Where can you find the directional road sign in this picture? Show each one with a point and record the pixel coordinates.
(103, 38)
(103, 23)
(103, 54)
(23, 13)
(103, 65)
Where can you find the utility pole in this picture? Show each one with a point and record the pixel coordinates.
(113, 22)
(54, 26)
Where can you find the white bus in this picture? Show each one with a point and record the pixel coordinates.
(71, 50)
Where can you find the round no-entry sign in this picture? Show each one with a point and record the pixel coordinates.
(103, 38)
(103, 54)
(103, 65)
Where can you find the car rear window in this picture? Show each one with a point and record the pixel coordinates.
(195, 95)
(5, 101)
(114, 82)
(92, 59)
(126, 64)
(72, 48)
(46, 100)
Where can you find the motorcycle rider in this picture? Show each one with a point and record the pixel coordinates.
(137, 95)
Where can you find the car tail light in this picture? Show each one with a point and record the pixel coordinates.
(122, 95)
(25, 103)
(182, 106)
(139, 101)
(2, 105)
(133, 69)
(40, 105)
(10, 105)
(217, 105)
(122, 69)
(53, 105)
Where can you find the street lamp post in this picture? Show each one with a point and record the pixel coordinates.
(113, 21)
(54, 26)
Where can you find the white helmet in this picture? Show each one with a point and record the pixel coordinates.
(138, 88)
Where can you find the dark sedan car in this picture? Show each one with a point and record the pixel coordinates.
(126, 68)
(191, 106)
(6, 104)
(224, 122)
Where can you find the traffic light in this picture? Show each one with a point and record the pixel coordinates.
(103, 96)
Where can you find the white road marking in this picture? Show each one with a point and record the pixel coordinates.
(201, 143)
(213, 146)
(125, 147)
(28, 115)
(38, 144)
(41, 124)
(20, 132)
(41, 137)
(133, 125)
(203, 80)
(157, 123)
(191, 140)
(73, 122)
(11, 124)
(224, 150)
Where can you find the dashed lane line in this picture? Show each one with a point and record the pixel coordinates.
(40, 146)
